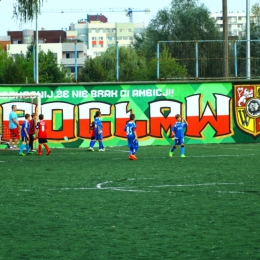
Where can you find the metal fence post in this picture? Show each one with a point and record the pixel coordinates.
(197, 59)
(235, 58)
(158, 61)
(117, 62)
(34, 63)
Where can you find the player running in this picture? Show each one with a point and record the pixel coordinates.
(130, 130)
(25, 136)
(178, 134)
(41, 134)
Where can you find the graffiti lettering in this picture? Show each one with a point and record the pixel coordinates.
(65, 119)
(198, 120)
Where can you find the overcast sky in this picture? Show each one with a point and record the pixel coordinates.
(56, 21)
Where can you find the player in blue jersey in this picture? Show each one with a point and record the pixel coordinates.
(130, 130)
(178, 134)
(98, 129)
(25, 135)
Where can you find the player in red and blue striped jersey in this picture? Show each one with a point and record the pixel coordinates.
(93, 140)
(178, 134)
(25, 135)
(130, 130)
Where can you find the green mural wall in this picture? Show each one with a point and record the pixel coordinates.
(216, 112)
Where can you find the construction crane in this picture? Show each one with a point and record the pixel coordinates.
(129, 11)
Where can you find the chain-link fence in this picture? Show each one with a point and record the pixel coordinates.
(205, 59)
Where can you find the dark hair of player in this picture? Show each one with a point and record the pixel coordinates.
(132, 117)
(26, 116)
(98, 113)
(33, 114)
(13, 106)
(177, 116)
(41, 116)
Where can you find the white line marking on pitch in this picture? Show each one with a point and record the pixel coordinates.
(193, 185)
(219, 191)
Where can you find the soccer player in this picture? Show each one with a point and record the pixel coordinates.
(178, 134)
(93, 140)
(32, 130)
(25, 136)
(98, 133)
(14, 128)
(130, 130)
(41, 134)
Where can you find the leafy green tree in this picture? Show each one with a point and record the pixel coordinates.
(91, 71)
(15, 70)
(184, 20)
(50, 71)
(26, 10)
(255, 10)
(103, 68)
(169, 68)
(254, 50)
(19, 69)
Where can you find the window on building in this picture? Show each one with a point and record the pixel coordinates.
(121, 30)
(93, 30)
(129, 30)
(67, 55)
(109, 38)
(94, 38)
(100, 38)
(94, 46)
(101, 45)
(101, 30)
(239, 18)
(114, 30)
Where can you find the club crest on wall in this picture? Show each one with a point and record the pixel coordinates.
(247, 108)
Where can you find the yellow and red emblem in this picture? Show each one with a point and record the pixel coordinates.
(247, 108)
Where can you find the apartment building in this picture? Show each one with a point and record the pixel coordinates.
(65, 52)
(98, 35)
(45, 36)
(236, 22)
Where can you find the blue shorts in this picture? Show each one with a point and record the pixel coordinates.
(133, 144)
(98, 136)
(179, 141)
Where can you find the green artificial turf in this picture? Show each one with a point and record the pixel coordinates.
(75, 204)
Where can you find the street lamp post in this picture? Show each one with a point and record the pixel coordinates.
(248, 54)
(76, 64)
(36, 52)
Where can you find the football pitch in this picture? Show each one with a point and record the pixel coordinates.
(76, 204)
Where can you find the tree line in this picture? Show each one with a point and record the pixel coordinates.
(183, 20)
